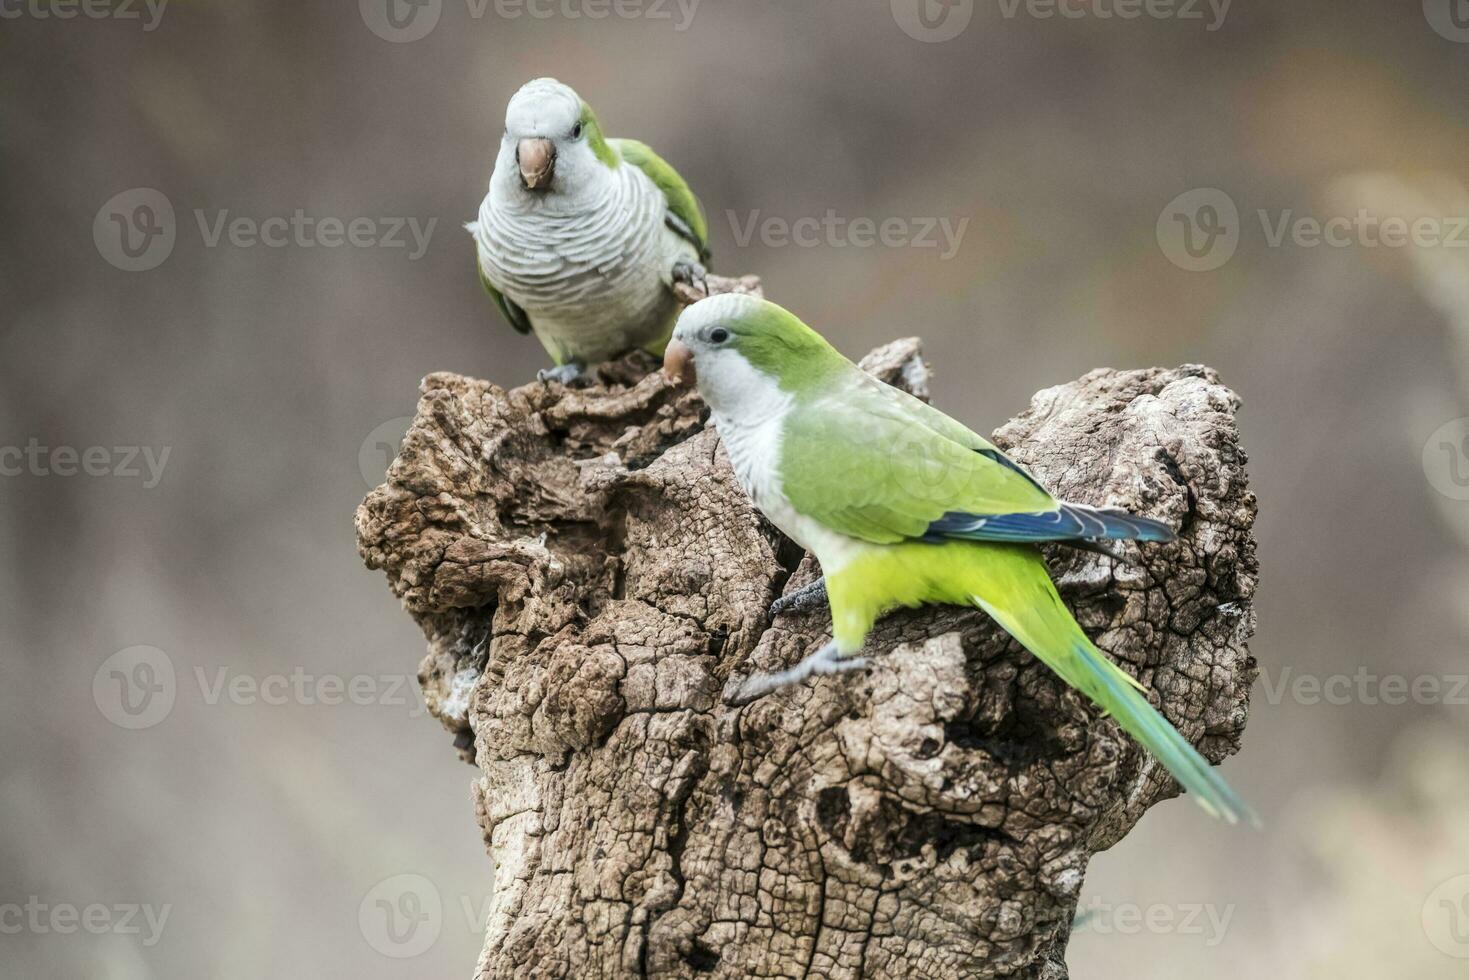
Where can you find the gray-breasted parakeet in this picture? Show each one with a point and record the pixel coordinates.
(581, 236)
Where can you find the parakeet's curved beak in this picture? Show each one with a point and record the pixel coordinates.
(678, 363)
(537, 159)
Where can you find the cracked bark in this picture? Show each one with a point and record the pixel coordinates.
(591, 579)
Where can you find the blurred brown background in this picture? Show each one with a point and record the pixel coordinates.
(263, 820)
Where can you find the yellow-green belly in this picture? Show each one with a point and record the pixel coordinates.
(880, 578)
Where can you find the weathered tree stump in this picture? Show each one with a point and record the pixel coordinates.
(592, 581)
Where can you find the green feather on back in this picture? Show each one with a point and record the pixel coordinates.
(682, 203)
(877, 464)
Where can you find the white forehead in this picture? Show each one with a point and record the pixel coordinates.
(722, 308)
(543, 107)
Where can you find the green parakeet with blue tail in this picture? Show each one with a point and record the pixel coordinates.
(904, 506)
(580, 237)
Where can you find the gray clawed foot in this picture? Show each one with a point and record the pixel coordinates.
(826, 660)
(567, 373)
(693, 275)
(804, 599)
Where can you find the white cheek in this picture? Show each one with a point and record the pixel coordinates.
(734, 389)
(577, 163)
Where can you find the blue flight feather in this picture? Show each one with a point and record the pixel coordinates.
(1070, 522)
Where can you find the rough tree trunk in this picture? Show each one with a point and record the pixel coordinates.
(592, 580)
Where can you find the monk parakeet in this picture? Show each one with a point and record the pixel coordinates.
(904, 506)
(581, 236)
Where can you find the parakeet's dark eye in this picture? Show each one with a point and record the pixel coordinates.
(576, 131)
(718, 335)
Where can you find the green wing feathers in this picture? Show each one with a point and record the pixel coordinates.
(1011, 585)
(512, 312)
(880, 465)
(682, 203)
